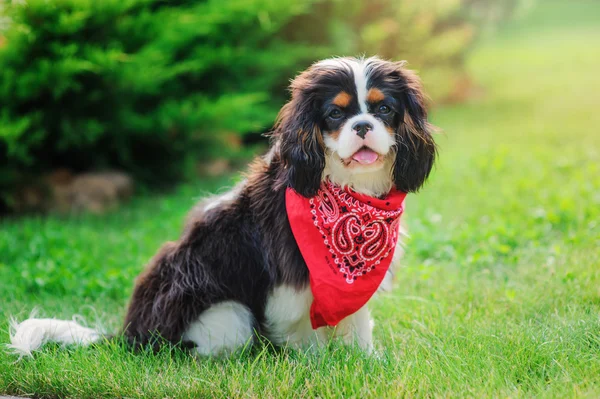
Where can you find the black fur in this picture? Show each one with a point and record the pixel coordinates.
(237, 251)
(244, 247)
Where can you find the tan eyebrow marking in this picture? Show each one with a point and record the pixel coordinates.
(342, 100)
(375, 95)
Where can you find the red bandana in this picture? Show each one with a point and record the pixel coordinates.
(347, 241)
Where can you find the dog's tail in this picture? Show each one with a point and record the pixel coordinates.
(31, 334)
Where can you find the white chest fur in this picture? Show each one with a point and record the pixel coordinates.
(288, 322)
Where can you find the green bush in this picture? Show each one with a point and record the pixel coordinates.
(151, 86)
(143, 85)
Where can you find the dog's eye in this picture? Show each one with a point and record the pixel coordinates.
(384, 109)
(335, 114)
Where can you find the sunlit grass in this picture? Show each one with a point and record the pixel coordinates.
(500, 294)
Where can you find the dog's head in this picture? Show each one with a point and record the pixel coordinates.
(358, 122)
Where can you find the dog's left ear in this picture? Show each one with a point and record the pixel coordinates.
(300, 139)
(416, 149)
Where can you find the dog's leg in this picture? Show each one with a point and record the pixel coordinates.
(288, 319)
(222, 328)
(357, 329)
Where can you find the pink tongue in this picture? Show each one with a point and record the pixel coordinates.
(365, 157)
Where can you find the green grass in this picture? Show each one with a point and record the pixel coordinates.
(499, 296)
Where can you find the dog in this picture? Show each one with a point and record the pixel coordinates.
(237, 272)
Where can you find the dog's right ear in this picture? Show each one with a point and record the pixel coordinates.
(301, 143)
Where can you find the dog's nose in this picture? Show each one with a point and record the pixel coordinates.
(362, 128)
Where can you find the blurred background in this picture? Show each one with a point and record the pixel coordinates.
(165, 102)
(97, 97)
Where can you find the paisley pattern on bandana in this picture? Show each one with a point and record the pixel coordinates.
(357, 235)
(347, 241)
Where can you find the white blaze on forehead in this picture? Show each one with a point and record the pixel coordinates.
(358, 67)
(360, 81)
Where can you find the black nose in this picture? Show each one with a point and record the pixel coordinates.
(361, 128)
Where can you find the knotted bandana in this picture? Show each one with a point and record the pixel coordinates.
(347, 241)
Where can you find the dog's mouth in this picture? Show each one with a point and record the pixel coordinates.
(364, 156)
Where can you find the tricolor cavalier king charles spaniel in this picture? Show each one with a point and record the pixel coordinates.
(237, 272)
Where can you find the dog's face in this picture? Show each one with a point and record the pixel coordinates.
(360, 123)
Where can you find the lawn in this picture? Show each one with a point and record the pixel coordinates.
(499, 295)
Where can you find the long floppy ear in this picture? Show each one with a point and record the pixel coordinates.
(301, 142)
(416, 149)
